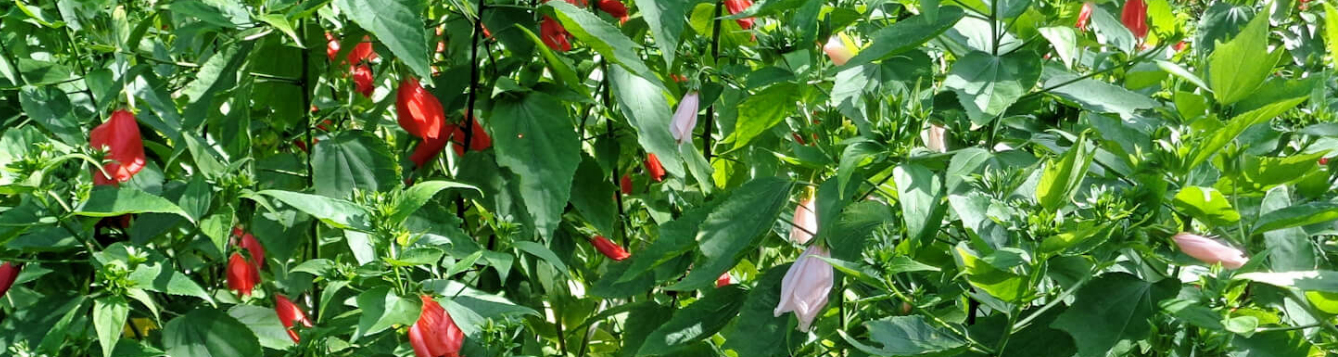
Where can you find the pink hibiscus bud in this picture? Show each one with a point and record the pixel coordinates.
(805, 287)
(933, 137)
(805, 221)
(1210, 251)
(837, 50)
(685, 118)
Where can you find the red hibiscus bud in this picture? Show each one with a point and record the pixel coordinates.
(252, 246)
(609, 249)
(798, 139)
(478, 140)
(626, 184)
(1323, 161)
(723, 280)
(428, 149)
(1084, 16)
(362, 78)
(435, 334)
(1210, 251)
(737, 6)
(363, 51)
(8, 273)
(554, 35)
(1180, 46)
(419, 112)
(654, 168)
(678, 78)
(125, 149)
(331, 46)
(615, 8)
(290, 314)
(242, 275)
(1135, 17)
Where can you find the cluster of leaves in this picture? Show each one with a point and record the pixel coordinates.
(991, 180)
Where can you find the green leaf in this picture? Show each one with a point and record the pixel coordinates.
(537, 141)
(264, 323)
(735, 226)
(353, 160)
(1110, 31)
(1001, 284)
(1206, 204)
(206, 332)
(592, 195)
(1313, 280)
(415, 197)
(399, 25)
(420, 256)
(281, 23)
(645, 106)
(858, 153)
(1331, 31)
(562, 71)
(112, 202)
(763, 110)
(676, 237)
(1061, 178)
(197, 197)
(1064, 40)
(1271, 344)
(381, 309)
(987, 85)
(1296, 216)
(161, 278)
(906, 35)
(109, 314)
(921, 193)
(695, 322)
(334, 212)
(1236, 126)
(1238, 66)
(855, 227)
(602, 37)
(539, 250)
(758, 331)
(1097, 96)
(50, 109)
(1114, 307)
(906, 336)
(665, 19)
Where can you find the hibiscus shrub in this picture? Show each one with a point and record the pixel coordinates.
(668, 178)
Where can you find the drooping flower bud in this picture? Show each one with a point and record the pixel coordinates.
(554, 35)
(428, 149)
(435, 333)
(363, 80)
(247, 241)
(242, 276)
(838, 50)
(609, 249)
(723, 280)
(125, 148)
(737, 6)
(626, 184)
(1209, 250)
(419, 112)
(685, 118)
(933, 137)
(1135, 17)
(331, 46)
(9, 272)
(805, 287)
(479, 139)
(362, 52)
(654, 168)
(615, 8)
(1180, 46)
(290, 314)
(1084, 16)
(805, 221)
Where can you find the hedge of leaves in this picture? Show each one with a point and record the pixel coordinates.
(668, 178)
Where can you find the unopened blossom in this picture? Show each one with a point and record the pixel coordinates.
(805, 221)
(1084, 16)
(125, 148)
(1209, 250)
(933, 137)
(838, 50)
(435, 334)
(9, 272)
(609, 249)
(685, 118)
(242, 275)
(654, 168)
(1134, 16)
(805, 287)
(289, 315)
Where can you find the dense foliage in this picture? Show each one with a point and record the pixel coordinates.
(668, 178)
